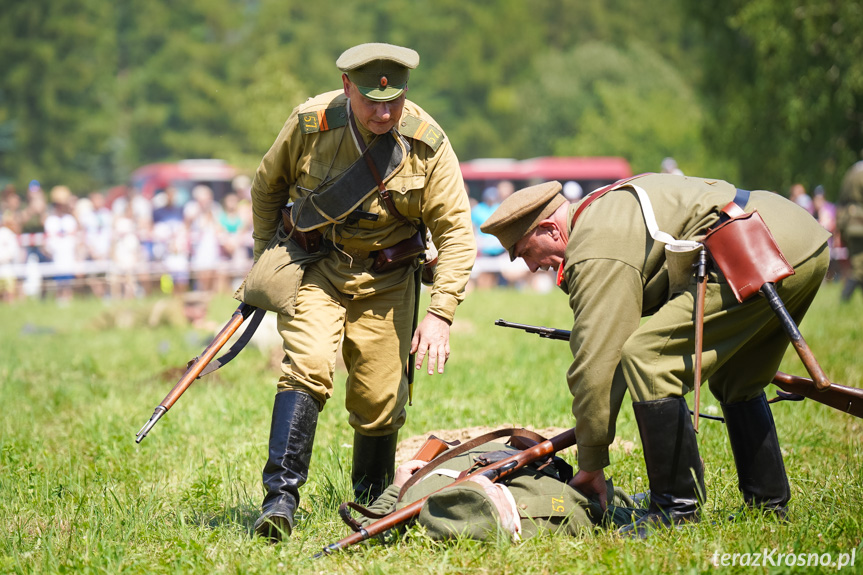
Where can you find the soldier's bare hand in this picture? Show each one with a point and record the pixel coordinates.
(591, 483)
(405, 470)
(431, 338)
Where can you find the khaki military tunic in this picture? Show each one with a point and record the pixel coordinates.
(616, 274)
(850, 218)
(340, 298)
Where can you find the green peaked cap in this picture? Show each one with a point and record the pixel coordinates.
(380, 71)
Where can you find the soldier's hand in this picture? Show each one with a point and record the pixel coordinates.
(431, 338)
(591, 483)
(405, 470)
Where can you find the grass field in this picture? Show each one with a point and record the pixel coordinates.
(78, 495)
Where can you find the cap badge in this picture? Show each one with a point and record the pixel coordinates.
(383, 82)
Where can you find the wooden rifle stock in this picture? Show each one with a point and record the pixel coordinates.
(493, 472)
(840, 397)
(433, 447)
(196, 366)
(819, 378)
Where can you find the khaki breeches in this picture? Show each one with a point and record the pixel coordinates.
(743, 342)
(375, 333)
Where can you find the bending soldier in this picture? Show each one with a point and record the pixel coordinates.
(367, 174)
(615, 273)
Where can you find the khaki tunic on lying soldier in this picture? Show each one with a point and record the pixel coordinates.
(531, 501)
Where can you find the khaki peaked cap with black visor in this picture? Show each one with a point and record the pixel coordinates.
(521, 212)
(380, 71)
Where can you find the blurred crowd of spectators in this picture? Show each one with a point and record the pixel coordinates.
(127, 246)
(825, 212)
(124, 246)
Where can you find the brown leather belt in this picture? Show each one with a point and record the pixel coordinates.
(402, 254)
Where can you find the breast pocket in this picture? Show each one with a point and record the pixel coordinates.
(312, 173)
(407, 192)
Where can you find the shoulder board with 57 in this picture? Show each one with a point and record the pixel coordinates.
(323, 120)
(419, 129)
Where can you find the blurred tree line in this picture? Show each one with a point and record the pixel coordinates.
(762, 92)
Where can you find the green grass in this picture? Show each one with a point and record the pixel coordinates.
(78, 495)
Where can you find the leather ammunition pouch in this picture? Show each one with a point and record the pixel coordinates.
(746, 252)
(401, 254)
(310, 241)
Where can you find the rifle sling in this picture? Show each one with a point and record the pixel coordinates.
(238, 345)
(355, 525)
(595, 195)
(506, 432)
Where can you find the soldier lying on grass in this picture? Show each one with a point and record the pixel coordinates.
(535, 499)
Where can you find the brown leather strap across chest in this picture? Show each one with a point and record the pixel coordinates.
(593, 196)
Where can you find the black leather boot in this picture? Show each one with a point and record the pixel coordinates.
(374, 465)
(674, 467)
(760, 469)
(292, 434)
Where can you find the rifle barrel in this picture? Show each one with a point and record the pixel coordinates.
(840, 397)
(546, 332)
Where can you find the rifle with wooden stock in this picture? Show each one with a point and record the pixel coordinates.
(794, 388)
(201, 365)
(492, 471)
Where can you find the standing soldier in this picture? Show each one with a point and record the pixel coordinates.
(365, 174)
(615, 270)
(850, 223)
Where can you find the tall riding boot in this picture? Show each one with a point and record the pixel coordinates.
(674, 467)
(292, 434)
(760, 469)
(374, 465)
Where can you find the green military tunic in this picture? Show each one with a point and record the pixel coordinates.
(339, 298)
(850, 218)
(616, 274)
(545, 503)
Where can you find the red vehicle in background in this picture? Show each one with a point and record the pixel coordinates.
(151, 179)
(584, 174)
(589, 173)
